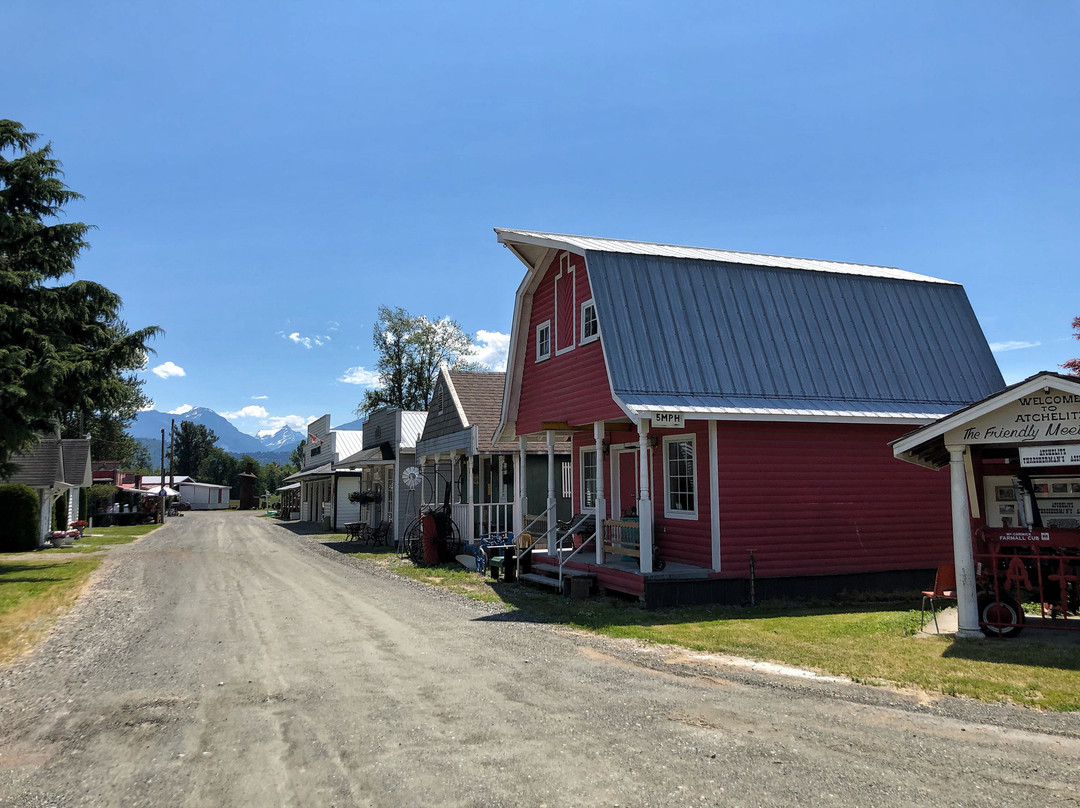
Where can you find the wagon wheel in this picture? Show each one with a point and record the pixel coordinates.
(413, 539)
(1003, 610)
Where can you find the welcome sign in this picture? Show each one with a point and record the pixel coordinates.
(1050, 415)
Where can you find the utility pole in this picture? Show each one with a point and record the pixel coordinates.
(161, 479)
(172, 443)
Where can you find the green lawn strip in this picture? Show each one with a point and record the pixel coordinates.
(33, 594)
(872, 643)
(102, 537)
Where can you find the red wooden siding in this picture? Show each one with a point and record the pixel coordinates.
(572, 387)
(682, 540)
(819, 499)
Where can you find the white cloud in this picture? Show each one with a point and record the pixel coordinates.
(492, 348)
(181, 409)
(259, 398)
(358, 375)
(168, 369)
(1014, 345)
(317, 340)
(250, 411)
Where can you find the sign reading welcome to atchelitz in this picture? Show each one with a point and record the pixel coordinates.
(1050, 415)
(1050, 455)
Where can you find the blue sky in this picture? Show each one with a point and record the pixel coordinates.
(264, 175)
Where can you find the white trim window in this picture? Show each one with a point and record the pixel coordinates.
(543, 341)
(588, 479)
(590, 326)
(680, 477)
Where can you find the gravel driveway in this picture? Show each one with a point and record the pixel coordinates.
(225, 661)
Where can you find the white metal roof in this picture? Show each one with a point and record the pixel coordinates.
(581, 244)
(412, 427)
(347, 441)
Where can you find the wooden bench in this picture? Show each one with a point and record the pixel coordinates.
(623, 537)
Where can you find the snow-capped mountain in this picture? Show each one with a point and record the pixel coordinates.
(285, 439)
(149, 423)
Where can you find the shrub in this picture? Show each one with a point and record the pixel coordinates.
(99, 496)
(20, 515)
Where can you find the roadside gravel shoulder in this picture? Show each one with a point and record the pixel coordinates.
(681, 662)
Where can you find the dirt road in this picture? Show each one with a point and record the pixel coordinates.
(224, 661)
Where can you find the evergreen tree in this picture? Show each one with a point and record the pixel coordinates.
(63, 348)
(192, 444)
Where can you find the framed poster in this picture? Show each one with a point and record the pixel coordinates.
(1005, 493)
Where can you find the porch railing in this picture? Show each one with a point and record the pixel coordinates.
(622, 537)
(580, 523)
(493, 517)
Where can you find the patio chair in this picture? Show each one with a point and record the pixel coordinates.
(944, 589)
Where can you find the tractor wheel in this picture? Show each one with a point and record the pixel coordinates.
(1002, 610)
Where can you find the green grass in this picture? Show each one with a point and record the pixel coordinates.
(33, 594)
(103, 537)
(871, 643)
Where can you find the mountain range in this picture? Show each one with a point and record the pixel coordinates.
(148, 424)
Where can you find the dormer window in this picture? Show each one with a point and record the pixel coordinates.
(543, 341)
(590, 326)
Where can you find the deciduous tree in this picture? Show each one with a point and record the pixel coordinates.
(1073, 365)
(411, 349)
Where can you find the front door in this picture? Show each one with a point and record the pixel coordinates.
(626, 483)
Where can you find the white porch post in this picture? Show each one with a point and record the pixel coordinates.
(455, 498)
(645, 505)
(522, 486)
(714, 494)
(963, 555)
(601, 503)
(472, 497)
(551, 494)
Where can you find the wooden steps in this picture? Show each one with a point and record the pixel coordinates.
(575, 583)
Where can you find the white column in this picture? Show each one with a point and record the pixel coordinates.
(551, 493)
(522, 486)
(601, 503)
(714, 494)
(472, 496)
(645, 505)
(963, 555)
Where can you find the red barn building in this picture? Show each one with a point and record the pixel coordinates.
(730, 410)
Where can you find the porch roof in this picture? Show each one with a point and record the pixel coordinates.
(383, 453)
(324, 470)
(926, 446)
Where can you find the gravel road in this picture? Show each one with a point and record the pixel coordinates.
(224, 660)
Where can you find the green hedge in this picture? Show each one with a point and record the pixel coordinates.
(20, 515)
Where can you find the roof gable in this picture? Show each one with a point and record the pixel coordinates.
(1032, 416)
(41, 467)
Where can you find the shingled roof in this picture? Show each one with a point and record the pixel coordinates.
(54, 461)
